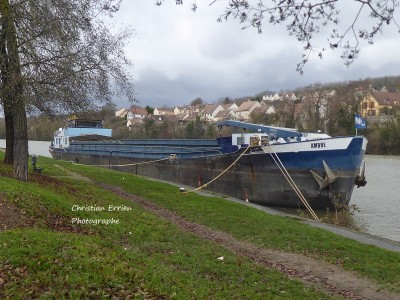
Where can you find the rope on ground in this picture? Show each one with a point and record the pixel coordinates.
(286, 174)
(230, 166)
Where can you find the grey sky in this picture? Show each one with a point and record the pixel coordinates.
(179, 55)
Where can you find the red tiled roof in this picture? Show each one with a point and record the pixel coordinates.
(386, 98)
(138, 111)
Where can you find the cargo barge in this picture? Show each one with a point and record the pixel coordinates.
(263, 165)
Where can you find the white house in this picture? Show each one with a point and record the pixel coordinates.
(271, 97)
(121, 112)
(289, 96)
(230, 106)
(270, 110)
(134, 115)
(245, 109)
(182, 110)
(225, 114)
(210, 111)
(161, 112)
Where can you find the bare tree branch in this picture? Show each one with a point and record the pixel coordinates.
(305, 18)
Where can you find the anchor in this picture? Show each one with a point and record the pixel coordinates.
(360, 178)
(330, 177)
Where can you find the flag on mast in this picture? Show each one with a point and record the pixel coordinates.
(360, 122)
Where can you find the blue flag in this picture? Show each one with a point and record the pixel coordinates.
(360, 122)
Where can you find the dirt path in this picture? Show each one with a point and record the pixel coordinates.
(317, 273)
(71, 175)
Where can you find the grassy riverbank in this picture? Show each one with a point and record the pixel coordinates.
(43, 254)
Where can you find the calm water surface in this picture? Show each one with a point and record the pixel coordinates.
(35, 147)
(378, 202)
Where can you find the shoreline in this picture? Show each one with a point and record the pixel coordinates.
(362, 237)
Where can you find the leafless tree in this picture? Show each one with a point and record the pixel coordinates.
(304, 20)
(316, 100)
(57, 56)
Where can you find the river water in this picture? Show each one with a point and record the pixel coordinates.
(378, 202)
(35, 147)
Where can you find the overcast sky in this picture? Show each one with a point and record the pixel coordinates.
(179, 55)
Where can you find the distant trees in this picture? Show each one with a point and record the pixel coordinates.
(384, 138)
(56, 56)
(149, 109)
(343, 105)
(42, 128)
(225, 100)
(195, 129)
(262, 118)
(315, 107)
(197, 101)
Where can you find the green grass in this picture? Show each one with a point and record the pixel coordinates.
(143, 256)
(271, 232)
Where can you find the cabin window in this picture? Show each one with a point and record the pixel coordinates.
(66, 141)
(240, 140)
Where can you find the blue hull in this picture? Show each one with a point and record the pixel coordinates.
(255, 176)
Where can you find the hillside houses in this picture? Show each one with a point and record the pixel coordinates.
(245, 109)
(134, 115)
(275, 109)
(225, 114)
(290, 96)
(287, 96)
(162, 112)
(121, 113)
(186, 114)
(265, 109)
(230, 106)
(272, 97)
(380, 103)
(181, 110)
(210, 111)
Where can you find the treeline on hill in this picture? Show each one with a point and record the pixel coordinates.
(303, 114)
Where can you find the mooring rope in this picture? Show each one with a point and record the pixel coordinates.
(290, 180)
(230, 166)
(126, 165)
(276, 159)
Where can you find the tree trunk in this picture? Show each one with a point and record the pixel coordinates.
(5, 98)
(20, 139)
(8, 116)
(14, 93)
